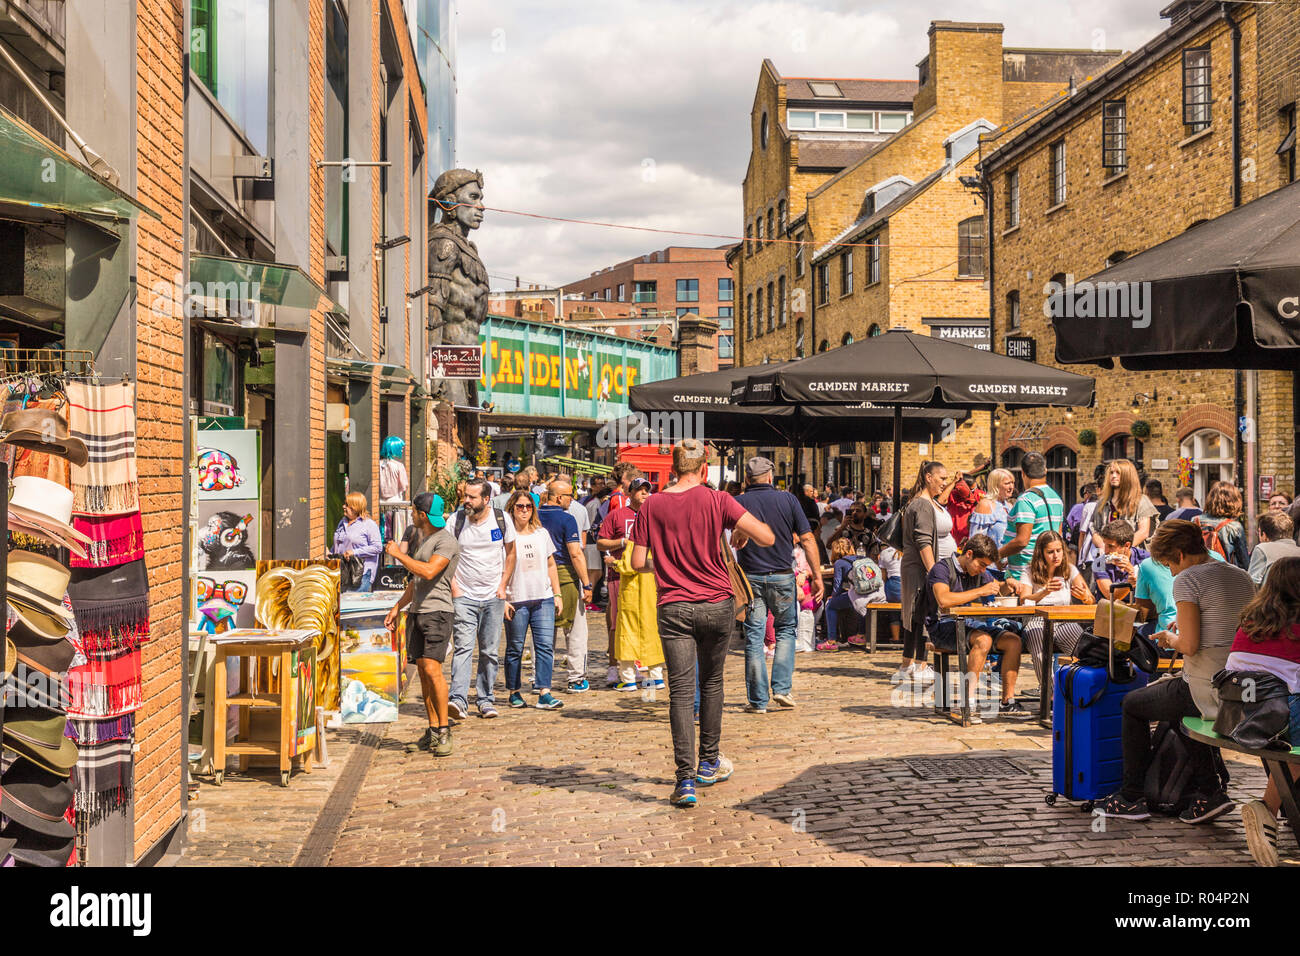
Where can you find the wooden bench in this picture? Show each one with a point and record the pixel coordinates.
(873, 625)
(1277, 764)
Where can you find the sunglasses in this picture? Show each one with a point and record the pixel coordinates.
(233, 592)
(523, 507)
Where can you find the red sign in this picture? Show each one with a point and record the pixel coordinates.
(1267, 484)
(456, 361)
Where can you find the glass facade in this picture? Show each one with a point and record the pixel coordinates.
(230, 52)
(433, 25)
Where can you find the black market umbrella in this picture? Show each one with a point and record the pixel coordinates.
(667, 413)
(1223, 294)
(902, 368)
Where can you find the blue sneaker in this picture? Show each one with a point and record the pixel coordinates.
(579, 686)
(655, 684)
(547, 702)
(714, 771)
(684, 794)
(517, 699)
(627, 685)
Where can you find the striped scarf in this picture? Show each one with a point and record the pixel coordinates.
(114, 540)
(102, 781)
(108, 687)
(103, 416)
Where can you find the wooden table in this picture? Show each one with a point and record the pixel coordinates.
(1050, 615)
(246, 645)
(960, 613)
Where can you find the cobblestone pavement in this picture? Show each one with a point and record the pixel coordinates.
(825, 783)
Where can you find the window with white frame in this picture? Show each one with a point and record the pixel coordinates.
(1214, 458)
(866, 121)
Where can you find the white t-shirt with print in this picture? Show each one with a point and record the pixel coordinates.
(531, 581)
(482, 556)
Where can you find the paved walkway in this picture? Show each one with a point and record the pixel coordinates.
(826, 783)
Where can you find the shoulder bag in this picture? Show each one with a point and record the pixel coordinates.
(740, 586)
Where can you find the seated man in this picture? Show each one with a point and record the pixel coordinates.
(1121, 560)
(966, 579)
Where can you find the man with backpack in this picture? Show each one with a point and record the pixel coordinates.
(771, 574)
(478, 591)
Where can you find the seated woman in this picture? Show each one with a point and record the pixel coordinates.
(840, 598)
(1053, 581)
(1210, 596)
(1269, 640)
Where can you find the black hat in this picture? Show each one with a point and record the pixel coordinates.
(34, 848)
(36, 799)
(28, 687)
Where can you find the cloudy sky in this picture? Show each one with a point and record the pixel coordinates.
(636, 112)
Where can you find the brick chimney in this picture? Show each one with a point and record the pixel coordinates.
(696, 351)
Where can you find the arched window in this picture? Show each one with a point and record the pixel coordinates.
(1215, 459)
(1011, 461)
(771, 308)
(823, 345)
(763, 131)
(846, 338)
(783, 316)
(970, 246)
(1013, 311)
(798, 338)
(758, 310)
(873, 331)
(749, 315)
(1116, 257)
(1123, 446)
(1063, 473)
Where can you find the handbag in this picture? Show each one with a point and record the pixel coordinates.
(890, 533)
(741, 589)
(1253, 709)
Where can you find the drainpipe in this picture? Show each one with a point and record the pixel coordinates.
(1244, 382)
(986, 193)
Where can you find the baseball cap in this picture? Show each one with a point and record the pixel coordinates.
(638, 483)
(758, 465)
(431, 506)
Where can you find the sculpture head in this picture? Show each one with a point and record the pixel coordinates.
(459, 195)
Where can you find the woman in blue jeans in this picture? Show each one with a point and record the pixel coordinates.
(532, 601)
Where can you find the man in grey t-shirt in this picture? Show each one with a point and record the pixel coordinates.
(429, 621)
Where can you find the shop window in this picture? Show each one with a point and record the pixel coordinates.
(1214, 457)
(1063, 473)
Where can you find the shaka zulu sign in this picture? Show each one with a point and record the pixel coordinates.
(456, 361)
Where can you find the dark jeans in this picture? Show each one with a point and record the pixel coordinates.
(691, 629)
(1166, 699)
(914, 645)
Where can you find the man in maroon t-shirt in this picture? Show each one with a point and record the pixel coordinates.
(678, 535)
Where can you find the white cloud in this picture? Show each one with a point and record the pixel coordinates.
(562, 104)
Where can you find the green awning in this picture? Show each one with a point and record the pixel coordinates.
(271, 283)
(576, 465)
(34, 172)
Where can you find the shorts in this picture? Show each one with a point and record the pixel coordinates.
(429, 636)
(944, 634)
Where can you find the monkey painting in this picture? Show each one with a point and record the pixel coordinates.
(223, 543)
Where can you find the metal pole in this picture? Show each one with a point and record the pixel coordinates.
(898, 453)
(1248, 443)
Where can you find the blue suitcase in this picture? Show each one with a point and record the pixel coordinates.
(1087, 755)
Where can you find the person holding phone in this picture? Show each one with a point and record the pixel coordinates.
(1053, 582)
(533, 600)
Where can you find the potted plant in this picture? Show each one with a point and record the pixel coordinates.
(1140, 429)
(1087, 437)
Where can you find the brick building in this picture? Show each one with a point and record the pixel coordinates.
(913, 233)
(1136, 156)
(665, 284)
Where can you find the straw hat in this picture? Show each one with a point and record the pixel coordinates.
(44, 430)
(43, 508)
(39, 583)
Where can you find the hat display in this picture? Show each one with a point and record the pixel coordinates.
(28, 687)
(38, 736)
(758, 465)
(46, 626)
(36, 650)
(43, 508)
(37, 800)
(39, 583)
(45, 430)
(6, 844)
(34, 848)
(11, 655)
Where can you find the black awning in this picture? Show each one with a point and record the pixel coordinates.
(1223, 294)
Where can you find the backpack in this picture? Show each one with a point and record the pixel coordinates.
(1174, 763)
(865, 577)
(1212, 540)
(462, 516)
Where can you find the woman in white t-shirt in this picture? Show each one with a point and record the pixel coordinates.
(532, 601)
(1053, 582)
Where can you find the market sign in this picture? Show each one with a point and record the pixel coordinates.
(539, 368)
(456, 361)
(973, 332)
(1022, 347)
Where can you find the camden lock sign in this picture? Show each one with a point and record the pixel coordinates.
(456, 361)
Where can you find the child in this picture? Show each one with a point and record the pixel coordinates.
(1120, 557)
(839, 600)
(1269, 640)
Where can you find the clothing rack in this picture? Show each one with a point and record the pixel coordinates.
(67, 362)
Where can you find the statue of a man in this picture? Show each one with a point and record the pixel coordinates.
(458, 299)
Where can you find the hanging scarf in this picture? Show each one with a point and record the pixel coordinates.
(103, 416)
(89, 733)
(105, 687)
(114, 540)
(111, 606)
(102, 781)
